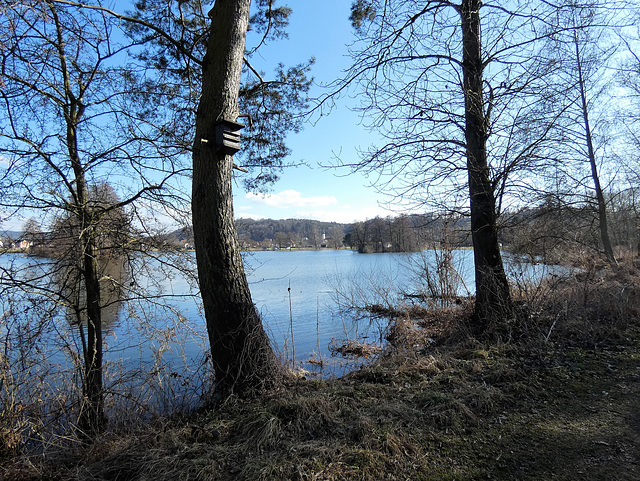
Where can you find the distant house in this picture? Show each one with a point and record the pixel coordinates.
(24, 245)
(1, 244)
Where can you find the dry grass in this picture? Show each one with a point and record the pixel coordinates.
(589, 309)
(354, 348)
(437, 405)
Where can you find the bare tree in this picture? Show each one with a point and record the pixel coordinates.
(582, 49)
(629, 81)
(453, 88)
(72, 121)
(32, 232)
(336, 233)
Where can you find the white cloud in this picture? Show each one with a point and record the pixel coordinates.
(291, 204)
(291, 198)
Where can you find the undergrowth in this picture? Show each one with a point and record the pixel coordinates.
(559, 399)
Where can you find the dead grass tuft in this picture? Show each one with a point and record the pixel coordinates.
(353, 348)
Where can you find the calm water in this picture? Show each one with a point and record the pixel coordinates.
(323, 286)
(304, 298)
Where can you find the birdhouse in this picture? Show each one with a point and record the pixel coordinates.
(227, 136)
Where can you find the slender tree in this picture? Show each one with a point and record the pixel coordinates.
(582, 49)
(71, 122)
(629, 81)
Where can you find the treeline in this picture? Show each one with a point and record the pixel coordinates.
(557, 228)
(408, 233)
(550, 231)
(403, 233)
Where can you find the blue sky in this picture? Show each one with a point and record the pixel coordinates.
(318, 28)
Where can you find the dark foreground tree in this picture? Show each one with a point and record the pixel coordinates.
(240, 350)
(204, 59)
(493, 300)
(453, 89)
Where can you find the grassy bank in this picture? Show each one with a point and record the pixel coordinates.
(558, 398)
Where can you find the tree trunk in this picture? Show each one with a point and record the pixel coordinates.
(92, 417)
(240, 350)
(602, 206)
(493, 305)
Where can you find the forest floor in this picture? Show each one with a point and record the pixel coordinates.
(558, 400)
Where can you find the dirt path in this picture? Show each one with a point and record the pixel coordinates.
(585, 425)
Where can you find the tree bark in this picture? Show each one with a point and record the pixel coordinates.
(493, 305)
(93, 417)
(240, 350)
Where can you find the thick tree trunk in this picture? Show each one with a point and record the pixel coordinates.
(240, 350)
(493, 300)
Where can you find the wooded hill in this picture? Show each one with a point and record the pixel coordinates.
(404, 233)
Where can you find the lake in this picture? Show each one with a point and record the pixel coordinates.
(324, 285)
(306, 300)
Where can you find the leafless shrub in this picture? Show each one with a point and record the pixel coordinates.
(588, 307)
(438, 277)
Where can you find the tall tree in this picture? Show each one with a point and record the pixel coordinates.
(242, 356)
(453, 87)
(629, 81)
(581, 50)
(205, 57)
(71, 122)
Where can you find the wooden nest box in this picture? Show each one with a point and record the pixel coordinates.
(227, 136)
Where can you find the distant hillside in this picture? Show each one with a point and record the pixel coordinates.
(305, 233)
(403, 233)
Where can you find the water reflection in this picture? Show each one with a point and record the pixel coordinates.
(114, 274)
